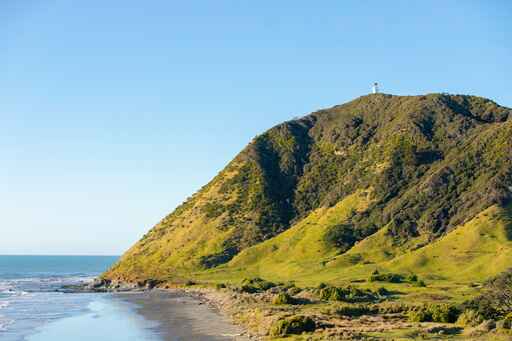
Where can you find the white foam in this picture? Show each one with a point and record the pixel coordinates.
(4, 323)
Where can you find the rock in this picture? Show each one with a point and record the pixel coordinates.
(99, 283)
(443, 330)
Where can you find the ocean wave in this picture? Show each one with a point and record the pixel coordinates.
(29, 291)
(4, 323)
(26, 285)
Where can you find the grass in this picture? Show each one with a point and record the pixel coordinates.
(474, 251)
(403, 185)
(397, 171)
(296, 252)
(471, 253)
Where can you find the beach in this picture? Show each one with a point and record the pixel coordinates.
(155, 315)
(178, 315)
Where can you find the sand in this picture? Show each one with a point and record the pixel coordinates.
(182, 316)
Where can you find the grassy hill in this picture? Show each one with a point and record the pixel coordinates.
(401, 184)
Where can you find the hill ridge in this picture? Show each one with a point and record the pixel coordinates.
(432, 162)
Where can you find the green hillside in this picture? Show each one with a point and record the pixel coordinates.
(390, 183)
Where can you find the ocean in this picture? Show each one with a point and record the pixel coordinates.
(32, 310)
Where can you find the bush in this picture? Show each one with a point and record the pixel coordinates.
(507, 321)
(212, 209)
(347, 294)
(392, 308)
(383, 291)
(283, 298)
(396, 278)
(420, 284)
(219, 286)
(420, 314)
(354, 310)
(332, 294)
(444, 313)
(254, 285)
(412, 278)
(495, 301)
(342, 236)
(322, 285)
(389, 277)
(293, 325)
(470, 318)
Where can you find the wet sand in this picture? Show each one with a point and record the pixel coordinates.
(181, 316)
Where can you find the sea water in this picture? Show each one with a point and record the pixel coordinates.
(32, 309)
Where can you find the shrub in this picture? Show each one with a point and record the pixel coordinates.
(383, 291)
(283, 298)
(293, 325)
(347, 294)
(254, 285)
(219, 286)
(331, 294)
(342, 236)
(444, 313)
(392, 308)
(322, 285)
(389, 277)
(496, 299)
(354, 310)
(470, 318)
(189, 283)
(507, 321)
(420, 314)
(412, 278)
(420, 284)
(212, 209)
(396, 278)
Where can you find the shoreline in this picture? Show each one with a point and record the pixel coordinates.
(225, 303)
(259, 315)
(228, 305)
(157, 314)
(199, 317)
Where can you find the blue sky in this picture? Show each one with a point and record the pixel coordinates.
(113, 112)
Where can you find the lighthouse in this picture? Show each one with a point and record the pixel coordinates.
(375, 88)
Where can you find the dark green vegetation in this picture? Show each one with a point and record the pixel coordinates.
(350, 294)
(293, 325)
(495, 300)
(431, 162)
(404, 194)
(396, 278)
(434, 313)
(283, 298)
(256, 285)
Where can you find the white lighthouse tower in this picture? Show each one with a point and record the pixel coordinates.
(375, 88)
